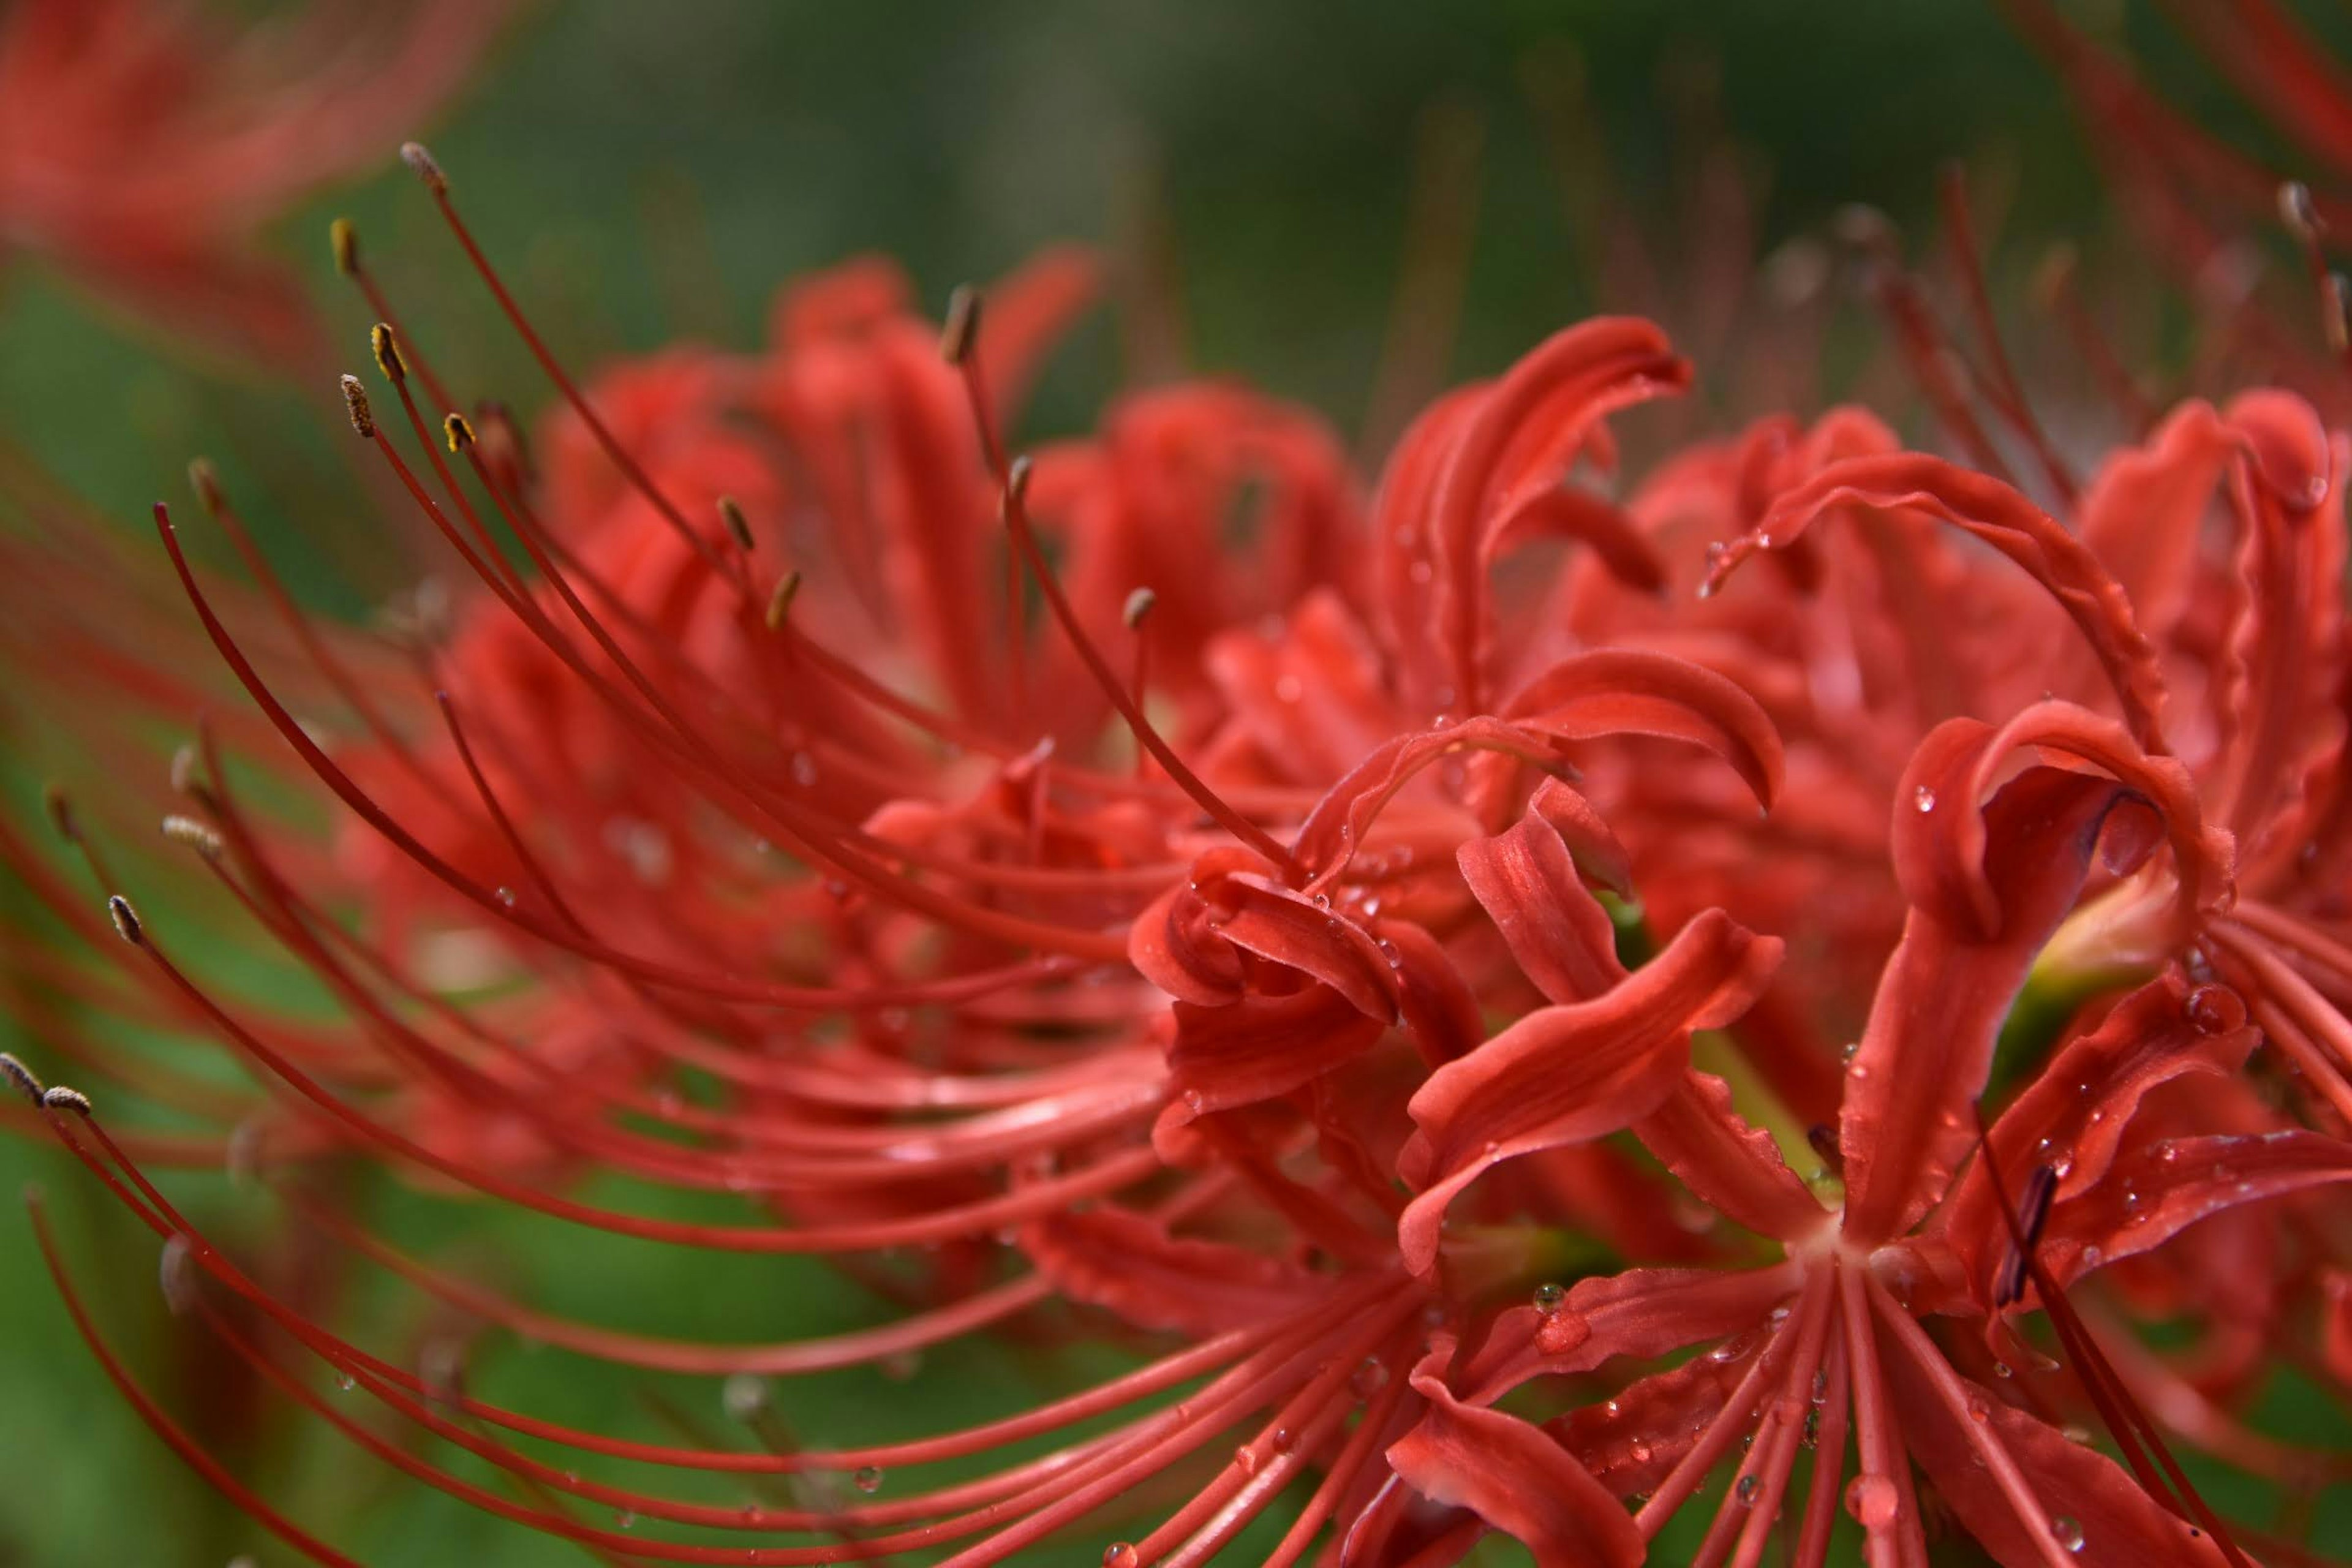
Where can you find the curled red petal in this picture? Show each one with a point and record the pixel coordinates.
(1635, 691)
(1175, 945)
(1928, 1046)
(1335, 829)
(2075, 1113)
(1514, 1476)
(1259, 1048)
(1130, 1264)
(2161, 1189)
(1525, 880)
(1939, 842)
(1290, 927)
(1642, 1313)
(1997, 514)
(1565, 1074)
(1729, 1165)
(1564, 511)
(1523, 428)
(1631, 1441)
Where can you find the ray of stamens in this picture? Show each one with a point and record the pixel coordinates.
(1011, 487)
(369, 1371)
(2066, 300)
(1332, 1348)
(2284, 996)
(974, 1218)
(1354, 1455)
(216, 505)
(1125, 1089)
(2007, 397)
(438, 186)
(1897, 1542)
(846, 847)
(484, 899)
(192, 1453)
(1318, 1410)
(388, 352)
(343, 241)
(1047, 1115)
(1983, 1436)
(1762, 1474)
(514, 840)
(1813, 1548)
(166, 1221)
(1935, 365)
(958, 337)
(1723, 1428)
(2303, 221)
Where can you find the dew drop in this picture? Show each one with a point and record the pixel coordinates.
(866, 1477)
(1749, 1489)
(1639, 1451)
(506, 896)
(1548, 1297)
(346, 1382)
(1281, 1440)
(1120, 1555)
(1924, 799)
(1872, 1500)
(624, 1520)
(2068, 1532)
(1370, 1378)
(2002, 1369)
(1821, 1388)
(2215, 1010)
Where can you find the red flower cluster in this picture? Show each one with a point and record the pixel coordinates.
(1421, 968)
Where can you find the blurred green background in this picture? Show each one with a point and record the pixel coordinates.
(650, 172)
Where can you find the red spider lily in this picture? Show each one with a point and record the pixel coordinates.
(140, 147)
(1238, 968)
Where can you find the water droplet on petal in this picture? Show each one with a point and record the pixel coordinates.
(624, 1520)
(1872, 1500)
(1548, 1297)
(867, 1478)
(346, 1382)
(2215, 1010)
(1120, 1555)
(2068, 1532)
(1924, 799)
(1370, 1378)
(1748, 1490)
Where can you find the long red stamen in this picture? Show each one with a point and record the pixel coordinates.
(438, 184)
(1011, 486)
